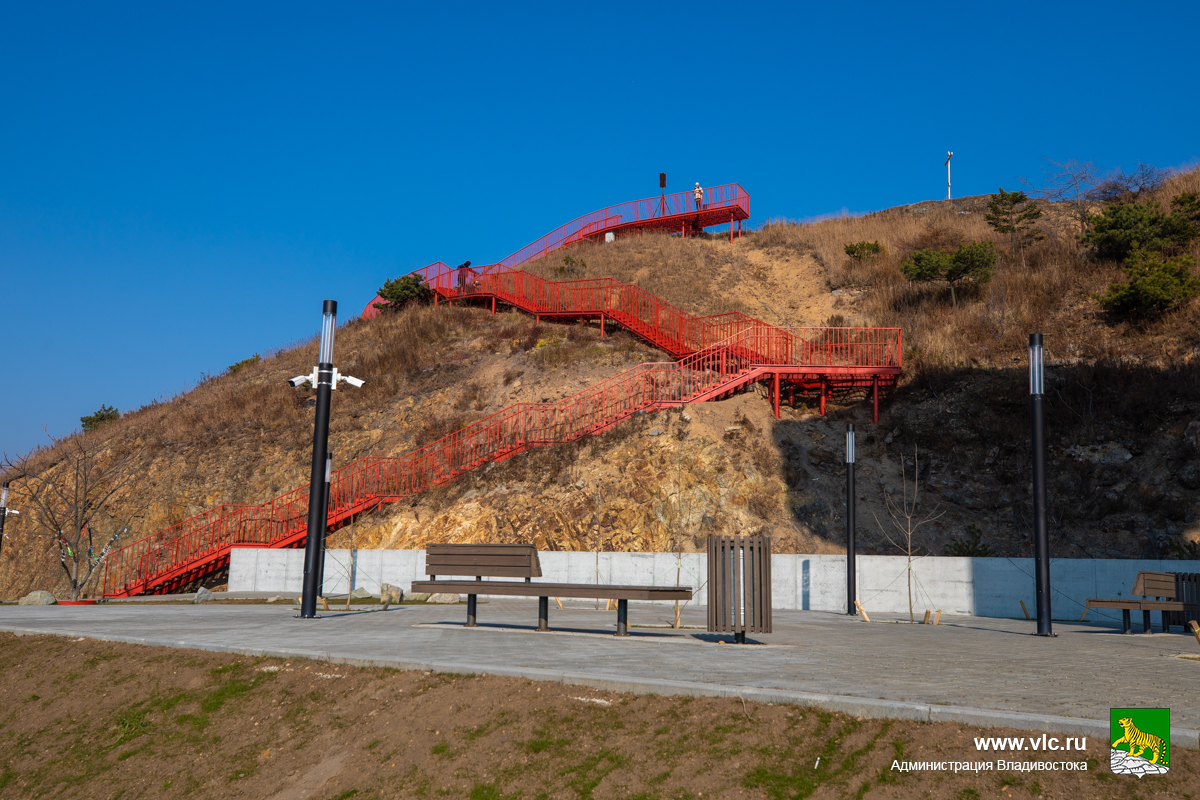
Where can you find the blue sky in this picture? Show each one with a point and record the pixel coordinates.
(181, 185)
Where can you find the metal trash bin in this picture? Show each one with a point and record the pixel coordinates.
(739, 585)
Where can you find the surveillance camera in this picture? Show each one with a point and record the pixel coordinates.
(298, 381)
(355, 382)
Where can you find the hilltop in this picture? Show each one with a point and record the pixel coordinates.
(1125, 472)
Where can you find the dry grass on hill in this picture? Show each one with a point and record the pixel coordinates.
(1047, 288)
(244, 437)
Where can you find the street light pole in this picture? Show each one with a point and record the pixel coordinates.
(3, 510)
(949, 155)
(850, 578)
(313, 544)
(324, 523)
(1041, 541)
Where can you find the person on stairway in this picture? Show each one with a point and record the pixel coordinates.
(698, 193)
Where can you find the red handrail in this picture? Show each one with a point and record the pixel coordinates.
(727, 364)
(719, 353)
(720, 203)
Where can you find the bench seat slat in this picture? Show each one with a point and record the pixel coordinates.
(460, 560)
(1138, 605)
(513, 589)
(480, 549)
(482, 571)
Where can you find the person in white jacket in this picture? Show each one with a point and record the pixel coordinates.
(698, 193)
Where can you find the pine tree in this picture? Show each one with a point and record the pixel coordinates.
(1014, 213)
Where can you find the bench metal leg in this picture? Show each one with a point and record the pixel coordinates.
(543, 614)
(471, 611)
(622, 618)
(1146, 622)
(1126, 625)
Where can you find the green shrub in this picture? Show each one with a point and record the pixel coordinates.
(399, 292)
(245, 362)
(865, 251)
(93, 421)
(1014, 214)
(570, 266)
(923, 266)
(1120, 228)
(970, 545)
(1155, 286)
(969, 263)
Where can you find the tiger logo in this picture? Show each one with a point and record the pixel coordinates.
(1139, 742)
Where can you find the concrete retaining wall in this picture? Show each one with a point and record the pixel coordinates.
(985, 587)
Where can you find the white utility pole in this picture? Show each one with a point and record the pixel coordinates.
(949, 156)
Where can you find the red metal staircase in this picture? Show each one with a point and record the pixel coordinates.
(717, 356)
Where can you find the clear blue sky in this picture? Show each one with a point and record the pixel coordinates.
(181, 187)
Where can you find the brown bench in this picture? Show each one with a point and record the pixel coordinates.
(1162, 587)
(521, 561)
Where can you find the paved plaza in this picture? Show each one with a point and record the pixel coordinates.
(970, 669)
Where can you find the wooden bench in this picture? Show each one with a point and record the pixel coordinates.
(521, 561)
(1162, 586)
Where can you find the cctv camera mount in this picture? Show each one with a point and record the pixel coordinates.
(335, 378)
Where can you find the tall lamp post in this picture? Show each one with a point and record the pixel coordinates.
(850, 579)
(3, 510)
(1041, 541)
(324, 523)
(324, 379)
(949, 155)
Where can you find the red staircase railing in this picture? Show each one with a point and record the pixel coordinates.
(171, 557)
(719, 205)
(719, 354)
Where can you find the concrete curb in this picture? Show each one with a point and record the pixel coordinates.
(847, 704)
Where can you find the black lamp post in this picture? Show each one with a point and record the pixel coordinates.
(324, 522)
(850, 579)
(3, 510)
(1041, 541)
(325, 379)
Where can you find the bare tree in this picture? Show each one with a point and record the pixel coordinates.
(906, 519)
(1071, 182)
(72, 487)
(1131, 186)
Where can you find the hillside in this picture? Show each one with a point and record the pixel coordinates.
(1122, 400)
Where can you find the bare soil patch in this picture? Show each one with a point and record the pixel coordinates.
(90, 719)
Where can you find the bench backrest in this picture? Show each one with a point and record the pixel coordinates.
(483, 560)
(1155, 584)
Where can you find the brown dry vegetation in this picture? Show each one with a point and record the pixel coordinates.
(243, 438)
(86, 719)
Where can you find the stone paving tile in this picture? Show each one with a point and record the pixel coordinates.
(965, 661)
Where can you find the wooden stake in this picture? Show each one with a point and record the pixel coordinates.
(1196, 630)
(862, 611)
(1084, 614)
(1023, 608)
(937, 617)
(560, 605)
(324, 603)
(926, 622)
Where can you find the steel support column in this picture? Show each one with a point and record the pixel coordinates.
(823, 392)
(775, 393)
(622, 618)
(875, 399)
